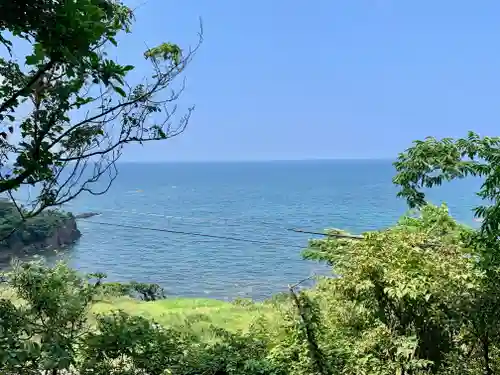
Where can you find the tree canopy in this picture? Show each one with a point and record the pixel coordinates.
(431, 162)
(67, 108)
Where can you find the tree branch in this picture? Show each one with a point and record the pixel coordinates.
(9, 102)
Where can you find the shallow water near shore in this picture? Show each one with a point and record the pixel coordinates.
(247, 208)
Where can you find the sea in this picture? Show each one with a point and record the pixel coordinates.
(223, 229)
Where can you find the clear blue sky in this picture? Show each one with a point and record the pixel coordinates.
(279, 79)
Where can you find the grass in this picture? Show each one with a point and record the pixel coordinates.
(197, 313)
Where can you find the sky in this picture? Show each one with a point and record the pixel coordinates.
(291, 79)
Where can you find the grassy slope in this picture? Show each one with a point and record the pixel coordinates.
(201, 313)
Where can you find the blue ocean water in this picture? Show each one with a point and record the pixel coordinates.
(253, 203)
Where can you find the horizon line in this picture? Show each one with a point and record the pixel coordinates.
(256, 160)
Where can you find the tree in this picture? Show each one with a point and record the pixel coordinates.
(396, 306)
(66, 108)
(422, 296)
(42, 333)
(429, 163)
(47, 327)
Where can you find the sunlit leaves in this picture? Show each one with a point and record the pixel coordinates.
(70, 103)
(50, 328)
(431, 162)
(409, 287)
(165, 51)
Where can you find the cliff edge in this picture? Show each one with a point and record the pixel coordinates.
(50, 229)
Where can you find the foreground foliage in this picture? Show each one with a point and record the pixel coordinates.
(429, 163)
(46, 326)
(401, 304)
(417, 298)
(66, 108)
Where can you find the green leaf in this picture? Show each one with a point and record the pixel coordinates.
(119, 90)
(31, 60)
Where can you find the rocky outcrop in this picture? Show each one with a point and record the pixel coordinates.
(86, 215)
(66, 233)
(49, 229)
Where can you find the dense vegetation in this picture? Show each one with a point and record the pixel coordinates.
(416, 298)
(15, 230)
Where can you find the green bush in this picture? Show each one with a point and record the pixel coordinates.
(404, 303)
(47, 329)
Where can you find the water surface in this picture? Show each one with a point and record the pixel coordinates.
(252, 205)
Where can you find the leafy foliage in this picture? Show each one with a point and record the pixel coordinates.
(47, 327)
(41, 332)
(431, 162)
(404, 301)
(428, 163)
(418, 298)
(400, 293)
(66, 108)
(134, 289)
